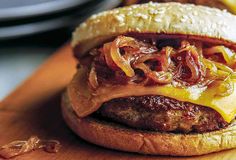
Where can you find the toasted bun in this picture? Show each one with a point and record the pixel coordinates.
(118, 137)
(222, 4)
(156, 18)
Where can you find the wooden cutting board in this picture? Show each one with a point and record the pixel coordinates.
(34, 109)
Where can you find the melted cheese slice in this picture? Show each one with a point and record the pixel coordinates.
(86, 101)
(231, 4)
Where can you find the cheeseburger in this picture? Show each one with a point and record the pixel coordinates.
(155, 79)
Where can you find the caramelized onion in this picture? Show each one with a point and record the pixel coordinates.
(143, 67)
(190, 64)
(162, 57)
(186, 47)
(17, 148)
(193, 67)
(227, 54)
(211, 66)
(93, 78)
(219, 66)
(107, 54)
(116, 55)
(131, 47)
(158, 77)
(233, 75)
(193, 61)
(165, 58)
(145, 58)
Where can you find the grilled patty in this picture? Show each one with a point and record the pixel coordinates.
(159, 113)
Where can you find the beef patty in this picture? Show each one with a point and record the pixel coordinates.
(159, 113)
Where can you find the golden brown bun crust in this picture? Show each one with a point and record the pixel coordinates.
(156, 18)
(118, 137)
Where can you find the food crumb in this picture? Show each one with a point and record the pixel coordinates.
(20, 147)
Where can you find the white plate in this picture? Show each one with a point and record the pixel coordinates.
(15, 9)
(9, 32)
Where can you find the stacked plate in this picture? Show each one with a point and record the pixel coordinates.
(26, 17)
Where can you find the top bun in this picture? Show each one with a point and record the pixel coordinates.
(156, 18)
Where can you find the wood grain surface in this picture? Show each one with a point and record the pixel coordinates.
(34, 109)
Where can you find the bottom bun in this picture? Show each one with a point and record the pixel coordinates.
(115, 136)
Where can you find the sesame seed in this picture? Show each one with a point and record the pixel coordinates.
(204, 30)
(201, 21)
(161, 10)
(97, 21)
(93, 16)
(144, 16)
(134, 6)
(152, 4)
(195, 13)
(185, 17)
(120, 17)
(223, 30)
(116, 11)
(188, 8)
(122, 24)
(219, 22)
(129, 13)
(193, 21)
(183, 20)
(224, 23)
(137, 29)
(83, 25)
(181, 9)
(218, 14)
(153, 11)
(157, 20)
(208, 12)
(213, 25)
(176, 26)
(141, 15)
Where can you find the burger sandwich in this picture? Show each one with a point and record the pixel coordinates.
(155, 79)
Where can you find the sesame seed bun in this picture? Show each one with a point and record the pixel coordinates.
(198, 22)
(115, 136)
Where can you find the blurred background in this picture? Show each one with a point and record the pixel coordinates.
(31, 30)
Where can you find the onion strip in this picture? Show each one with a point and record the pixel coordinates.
(228, 55)
(158, 77)
(118, 59)
(220, 66)
(107, 54)
(93, 78)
